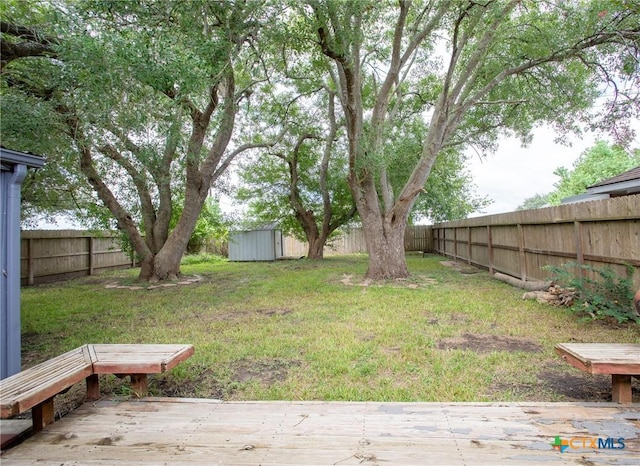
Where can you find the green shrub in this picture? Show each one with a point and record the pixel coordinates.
(605, 296)
(211, 224)
(201, 258)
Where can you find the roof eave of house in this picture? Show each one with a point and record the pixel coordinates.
(583, 198)
(14, 157)
(628, 187)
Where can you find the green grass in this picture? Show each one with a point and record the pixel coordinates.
(292, 330)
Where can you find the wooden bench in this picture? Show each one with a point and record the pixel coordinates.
(35, 388)
(620, 360)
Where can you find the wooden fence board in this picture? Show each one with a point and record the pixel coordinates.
(52, 255)
(597, 233)
(351, 241)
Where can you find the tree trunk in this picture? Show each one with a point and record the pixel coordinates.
(162, 266)
(166, 264)
(316, 247)
(385, 245)
(146, 268)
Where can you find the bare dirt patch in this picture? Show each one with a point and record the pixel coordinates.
(274, 312)
(464, 269)
(265, 371)
(127, 285)
(575, 385)
(560, 381)
(34, 345)
(489, 344)
(203, 385)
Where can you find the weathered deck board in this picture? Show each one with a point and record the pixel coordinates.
(187, 431)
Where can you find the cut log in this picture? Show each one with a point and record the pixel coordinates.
(525, 285)
(555, 296)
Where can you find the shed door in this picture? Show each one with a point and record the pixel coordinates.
(277, 243)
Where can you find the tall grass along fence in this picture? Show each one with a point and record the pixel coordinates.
(48, 256)
(596, 233)
(351, 241)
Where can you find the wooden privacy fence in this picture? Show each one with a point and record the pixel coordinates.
(54, 255)
(351, 241)
(596, 233)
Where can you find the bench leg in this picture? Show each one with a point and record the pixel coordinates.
(93, 387)
(42, 415)
(621, 386)
(139, 384)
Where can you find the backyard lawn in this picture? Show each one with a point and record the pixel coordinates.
(313, 330)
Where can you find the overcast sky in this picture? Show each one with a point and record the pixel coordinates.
(515, 173)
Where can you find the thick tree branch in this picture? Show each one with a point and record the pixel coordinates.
(326, 155)
(245, 147)
(87, 166)
(557, 56)
(32, 44)
(140, 182)
(306, 218)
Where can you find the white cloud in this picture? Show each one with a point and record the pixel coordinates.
(515, 173)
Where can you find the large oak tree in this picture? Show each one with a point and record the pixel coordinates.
(476, 69)
(146, 97)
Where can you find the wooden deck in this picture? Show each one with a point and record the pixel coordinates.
(195, 431)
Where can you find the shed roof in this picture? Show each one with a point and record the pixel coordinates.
(263, 227)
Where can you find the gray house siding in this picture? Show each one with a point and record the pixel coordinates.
(13, 171)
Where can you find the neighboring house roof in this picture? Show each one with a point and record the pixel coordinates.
(620, 185)
(633, 174)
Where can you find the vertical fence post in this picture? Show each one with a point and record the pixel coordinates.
(455, 243)
(469, 245)
(577, 228)
(523, 260)
(490, 247)
(30, 263)
(434, 239)
(90, 238)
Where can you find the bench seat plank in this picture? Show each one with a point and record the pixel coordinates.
(138, 359)
(602, 358)
(620, 360)
(32, 386)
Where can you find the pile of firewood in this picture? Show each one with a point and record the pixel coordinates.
(554, 295)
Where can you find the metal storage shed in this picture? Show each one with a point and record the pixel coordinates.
(263, 244)
(13, 171)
